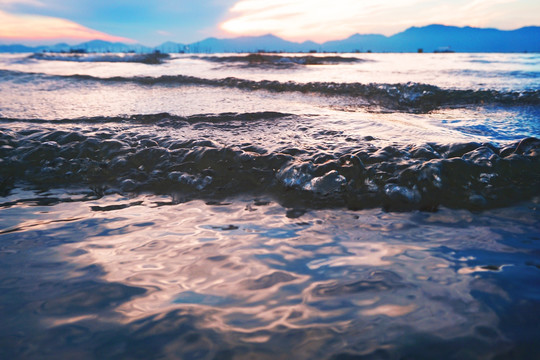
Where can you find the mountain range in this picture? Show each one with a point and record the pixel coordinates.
(427, 39)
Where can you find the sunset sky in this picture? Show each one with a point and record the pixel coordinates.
(154, 22)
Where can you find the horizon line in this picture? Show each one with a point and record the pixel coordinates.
(268, 34)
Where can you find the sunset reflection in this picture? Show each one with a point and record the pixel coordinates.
(199, 258)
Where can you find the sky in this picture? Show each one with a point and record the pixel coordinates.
(186, 21)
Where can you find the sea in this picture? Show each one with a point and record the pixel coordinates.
(270, 206)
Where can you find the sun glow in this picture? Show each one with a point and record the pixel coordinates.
(323, 20)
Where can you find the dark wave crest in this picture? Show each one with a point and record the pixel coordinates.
(465, 175)
(161, 119)
(280, 60)
(151, 59)
(407, 97)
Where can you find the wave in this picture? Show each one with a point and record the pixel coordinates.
(409, 96)
(465, 175)
(160, 119)
(518, 74)
(405, 97)
(151, 59)
(280, 60)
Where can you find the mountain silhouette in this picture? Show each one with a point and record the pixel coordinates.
(431, 38)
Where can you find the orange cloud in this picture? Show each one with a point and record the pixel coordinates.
(35, 28)
(323, 20)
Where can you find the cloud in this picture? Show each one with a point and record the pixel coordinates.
(11, 3)
(41, 28)
(324, 20)
(163, 33)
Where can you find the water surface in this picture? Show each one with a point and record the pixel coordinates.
(355, 206)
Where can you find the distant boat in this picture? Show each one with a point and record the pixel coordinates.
(444, 50)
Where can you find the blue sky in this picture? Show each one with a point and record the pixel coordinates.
(157, 21)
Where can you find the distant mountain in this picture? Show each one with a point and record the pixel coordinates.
(357, 42)
(90, 46)
(105, 46)
(428, 38)
(465, 39)
(16, 48)
(250, 44)
(170, 47)
(443, 38)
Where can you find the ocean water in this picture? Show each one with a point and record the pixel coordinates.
(270, 206)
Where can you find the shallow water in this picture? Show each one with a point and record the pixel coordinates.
(385, 208)
(133, 277)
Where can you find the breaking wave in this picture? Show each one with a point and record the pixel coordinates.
(406, 97)
(280, 60)
(464, 175)
(151, 59)
(161, 119)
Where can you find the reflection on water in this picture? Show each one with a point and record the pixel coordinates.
(149, 277)
(263, 261)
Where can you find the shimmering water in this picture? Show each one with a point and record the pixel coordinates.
(366, 206)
